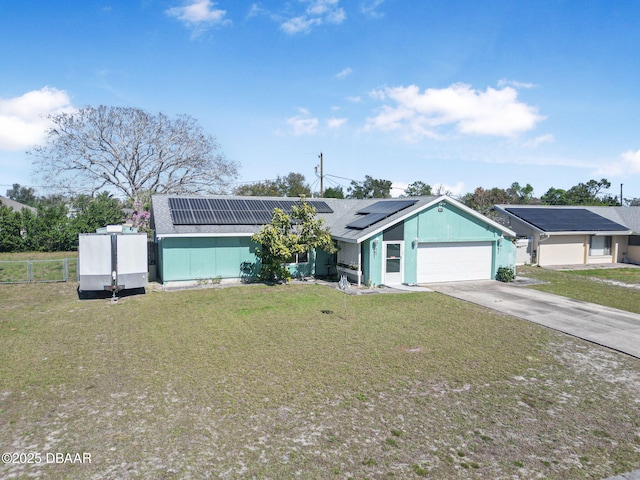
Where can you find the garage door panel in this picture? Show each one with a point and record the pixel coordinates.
(450, 262)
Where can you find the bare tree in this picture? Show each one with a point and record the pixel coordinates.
(130, 151)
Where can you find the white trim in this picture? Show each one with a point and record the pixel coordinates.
(442, 198)
(385, 244)
(196, 235)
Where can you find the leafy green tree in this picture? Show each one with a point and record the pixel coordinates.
(10, 230)
(555, 196)
(483, 200)
(590, 193)
(417, 189)
(333, 192)
(54, 200)
(50, 230)
(288, 235)
(370, 188)
(268, 188)
(94, 213)
(24, 195)
(291, 185)
(520, 195)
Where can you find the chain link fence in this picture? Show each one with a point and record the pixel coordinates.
(38, 271)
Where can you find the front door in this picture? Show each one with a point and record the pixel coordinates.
(393, 263)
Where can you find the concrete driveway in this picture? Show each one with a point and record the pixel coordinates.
(605, 326)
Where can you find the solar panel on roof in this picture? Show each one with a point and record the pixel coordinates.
(271, 204)
(379, 211)
(237, 205)
(218, 204)
(367, 220)
(262, 217)
(320, 206)
(201, 217)
(223, 211)
(387, 206)
(181, 217)
(566, 219)
(179, 204)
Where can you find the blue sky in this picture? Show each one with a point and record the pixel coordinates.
(454, 93)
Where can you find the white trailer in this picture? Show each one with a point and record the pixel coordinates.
(112, 261)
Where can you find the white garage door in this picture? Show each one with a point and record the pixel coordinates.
(451, 262)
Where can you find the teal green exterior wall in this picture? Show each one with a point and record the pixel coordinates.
(372, 260)
(453, 225)
(430, 225)
(192, 258)
(324, 262)
(504, 255)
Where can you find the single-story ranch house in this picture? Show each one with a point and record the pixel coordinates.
(381, 241)
(571, 235)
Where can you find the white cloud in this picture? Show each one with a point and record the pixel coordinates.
(23, 121)
(629, 163)
(398, 188)
(317, 13)
(503, 82)
(256, 10)
(344, 73)
(451, 190)
(535, 142)
(299, 24)
(471, 112)
(199, 14)
(369, 8)
(355, 99)
(336, 122)
(303, 124)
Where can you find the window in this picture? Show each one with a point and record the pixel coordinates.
(299, 258)
(600, 246)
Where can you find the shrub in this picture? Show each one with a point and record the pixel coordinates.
(506, 274)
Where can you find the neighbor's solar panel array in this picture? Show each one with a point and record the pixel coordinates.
(379, 211)
(566, 219)
(227, 211)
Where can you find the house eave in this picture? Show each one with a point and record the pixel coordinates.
(587, 232)
(187, 235)
(443, 198)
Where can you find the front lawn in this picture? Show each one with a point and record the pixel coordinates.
(581, 286)
(277, 382)
(630, 275)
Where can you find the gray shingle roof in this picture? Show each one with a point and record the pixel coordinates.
(344, 212)
(17, 206)
(627, 217)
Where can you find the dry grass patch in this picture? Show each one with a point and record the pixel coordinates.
(257, 382)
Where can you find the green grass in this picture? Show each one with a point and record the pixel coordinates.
(628, 275)
(255, 381)
(581, 286)
(45, 267)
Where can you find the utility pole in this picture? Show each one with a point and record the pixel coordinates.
(621, 194)
(321, 176)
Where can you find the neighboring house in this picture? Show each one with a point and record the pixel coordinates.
(570, 235)
(381, 241)
(17, 206)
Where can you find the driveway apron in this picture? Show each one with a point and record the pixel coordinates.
(605, 326)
